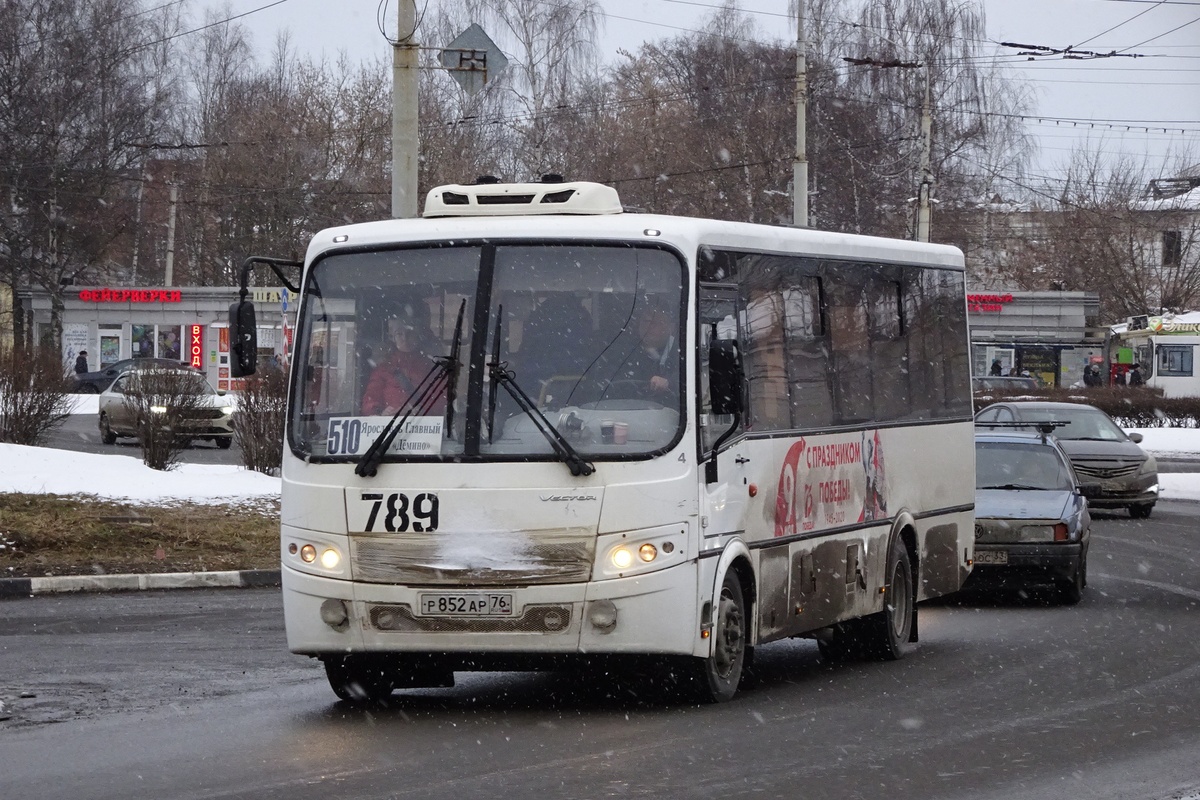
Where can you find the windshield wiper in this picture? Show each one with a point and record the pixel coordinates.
(1018, 486)
(501, 376)
(442, 376)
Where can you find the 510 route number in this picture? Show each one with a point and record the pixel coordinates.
(395, 512)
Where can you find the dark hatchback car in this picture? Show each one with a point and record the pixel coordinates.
(99, 381)
(1032, 524)
(1113, 471)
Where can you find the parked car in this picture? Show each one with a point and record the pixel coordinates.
(97, 382)
(1004, 383)
(1113, 471)
(1032, 524)
(202, 412)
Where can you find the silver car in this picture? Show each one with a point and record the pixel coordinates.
(1113, 471)
(1031, 521)
(184, 400)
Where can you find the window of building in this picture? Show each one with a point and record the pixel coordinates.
(1172, 248)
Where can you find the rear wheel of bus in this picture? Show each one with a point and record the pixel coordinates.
(717, 676)
(886, 634)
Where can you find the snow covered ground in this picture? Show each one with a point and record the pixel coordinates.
(44, 470)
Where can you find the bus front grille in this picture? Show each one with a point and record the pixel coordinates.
(534, 619)
(457, 559)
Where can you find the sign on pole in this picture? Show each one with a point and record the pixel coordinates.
(473, 58)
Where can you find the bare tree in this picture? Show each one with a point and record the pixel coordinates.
(75, 105)
(551, 47)
(163, 405)
(33, 394)
(1118, 227)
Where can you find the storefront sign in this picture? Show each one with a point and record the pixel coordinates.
(1160, 325)
(196, 345)
(131, 296)
(269, 295)
(987, 302)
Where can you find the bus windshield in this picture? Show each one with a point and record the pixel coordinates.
(574, 342)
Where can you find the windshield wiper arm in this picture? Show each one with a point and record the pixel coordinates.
(443, 375)
(452, 366)
(420, 402)
(491, 419)
(569, 455)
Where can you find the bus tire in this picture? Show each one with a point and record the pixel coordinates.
(717, 677)
(359, 680)
(888, 633)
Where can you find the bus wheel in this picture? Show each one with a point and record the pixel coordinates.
(359, 680)
(888, 632)
(719, 674)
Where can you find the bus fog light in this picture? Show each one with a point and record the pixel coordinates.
(647, 552)
(308, 554)
(330, 559)
(603, 615)
(622, 558)
(335, 614)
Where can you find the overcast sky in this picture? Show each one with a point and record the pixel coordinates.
(1098, 97)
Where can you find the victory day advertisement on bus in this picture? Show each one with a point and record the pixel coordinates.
(840, 480)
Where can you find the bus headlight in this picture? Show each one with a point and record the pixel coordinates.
(623, 555)
(330, 559)
(622, 558)
(308, 554)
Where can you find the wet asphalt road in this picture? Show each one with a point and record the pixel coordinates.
(193, 695)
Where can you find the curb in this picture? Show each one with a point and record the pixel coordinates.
(231, 579)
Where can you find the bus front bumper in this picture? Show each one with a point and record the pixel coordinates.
(652, 613)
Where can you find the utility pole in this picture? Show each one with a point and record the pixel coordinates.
(925, 191)
(169, 275)
(924, 197)
(404, 112)
(800, 163)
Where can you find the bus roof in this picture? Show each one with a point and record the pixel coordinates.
(594, 217)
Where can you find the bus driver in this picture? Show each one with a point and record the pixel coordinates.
(402, 368)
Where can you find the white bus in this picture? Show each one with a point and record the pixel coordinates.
(530, 429)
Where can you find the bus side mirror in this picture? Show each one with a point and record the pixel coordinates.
(243, 339)
(725, 376)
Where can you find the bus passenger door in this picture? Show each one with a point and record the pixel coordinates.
(723, 501)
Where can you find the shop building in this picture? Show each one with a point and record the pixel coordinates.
(1054, 336)
(186, 323)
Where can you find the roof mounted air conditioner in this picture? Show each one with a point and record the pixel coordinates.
(521, 199)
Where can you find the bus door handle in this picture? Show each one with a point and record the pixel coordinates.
(740, 460)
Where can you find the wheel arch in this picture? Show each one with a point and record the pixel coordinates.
(736, 557)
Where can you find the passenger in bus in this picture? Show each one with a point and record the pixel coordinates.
(404, 365)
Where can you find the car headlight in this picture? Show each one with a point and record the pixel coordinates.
(1148, 466)
(227, 410)
(158, 409)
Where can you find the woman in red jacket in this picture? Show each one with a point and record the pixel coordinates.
(401, 371)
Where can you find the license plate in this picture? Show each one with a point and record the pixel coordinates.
(991, 556)
(466, 604)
